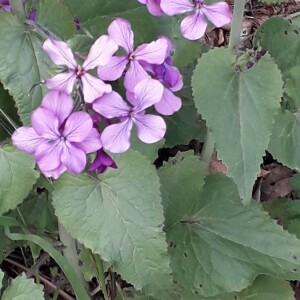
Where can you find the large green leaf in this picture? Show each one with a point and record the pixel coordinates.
(22, 64)
(17, 177)
(285, 140)
(239, 108)
(217, 244)
(22, 288)
(120, 217)
(56, 17)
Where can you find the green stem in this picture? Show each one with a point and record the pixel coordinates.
(237, 24)
(11, 122)
(101, 275)
(208, 148)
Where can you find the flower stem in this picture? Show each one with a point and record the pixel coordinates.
(208, 148)
(237, 24)
(101, 275)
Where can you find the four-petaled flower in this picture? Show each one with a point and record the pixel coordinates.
(193, 26)
(153, 7)
(61, 54)
(154, 53)
(58, 138)
(150, 128)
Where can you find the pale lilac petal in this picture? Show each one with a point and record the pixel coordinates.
(175, 7)
(154, 8)
(193, 27)
(111, 105)
(45, 123)
(48, 155)
(153, 53)
(60, 53)
(56, 172)
(168, 104)
(73, 158)
(148, 92)
(58, 102)
(120, 31)
(134, 75)
(100, 53)
(143, 1)
(78, 127)
(150, 128)
(92, 143)
(62, 82)
(114, 69)
(131, 98)
(218, 14)
(116, 137)
(93, 88)
(26, 139)
(173, 78)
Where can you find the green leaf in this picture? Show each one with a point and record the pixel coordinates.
(56, 17)
(292, 86)
(88, 267)
(22, 288)
(22, 64)
(6, 245)
(17, 177)
(239, 109)
(284, 143)
(215, 234)
(120, 217)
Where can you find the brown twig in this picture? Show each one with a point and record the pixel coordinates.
(45, 281)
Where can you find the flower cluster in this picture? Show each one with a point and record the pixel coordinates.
(64, 131)
(194, 25)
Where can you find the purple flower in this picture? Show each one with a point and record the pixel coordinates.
(172, 81)
(150, 128)
(100, 54)
(4, 5)
(102, 162)
(32, 15)
(153, 7)
(154, 53)
(193, 26)
(58, 138)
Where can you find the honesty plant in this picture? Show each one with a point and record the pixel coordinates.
(99, 103)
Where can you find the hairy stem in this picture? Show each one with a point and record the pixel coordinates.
(237, 24)
(208, 148)
(100, 273)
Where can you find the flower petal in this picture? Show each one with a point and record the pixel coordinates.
(168, 104)
(56, 172)
(147, 92)
(60, 53)
(45, 123)
(63, 82)
(26, 139)
(101, 162)
(154, 8)
(218, 13)
(173, 78)
(73, 158)
(113, 69)
(100, 53)
(48, 155)
(111, 105)
(150, 128)
(92, 143)
(58, 102)
(93, 88)
(134, 75)
(78, 127)
(174, 7)
(193, 27)
(120, 31)
(116, 137)
(153, 53)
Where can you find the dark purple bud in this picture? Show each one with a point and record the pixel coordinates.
(102, 162)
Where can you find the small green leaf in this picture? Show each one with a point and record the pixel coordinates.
(22, 64)
(88, 267)
(284, 143)
(56, 17)
(239, 110)
(212, 233)
(120, 216)
(22, 288)
(17, 177)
